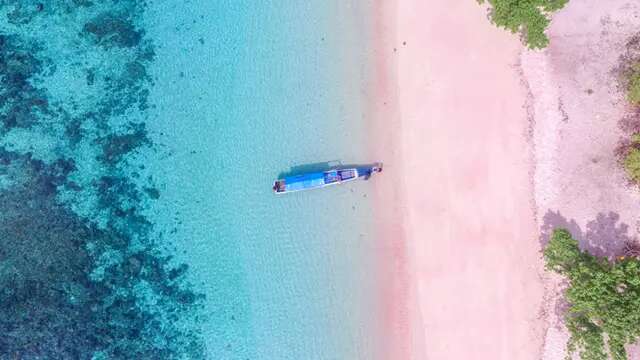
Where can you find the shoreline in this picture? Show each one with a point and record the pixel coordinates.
(399, 307)
(461, 228)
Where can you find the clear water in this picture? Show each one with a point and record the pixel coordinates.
(243, 91)
(138, 137)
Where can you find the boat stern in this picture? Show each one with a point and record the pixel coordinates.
(279, 186)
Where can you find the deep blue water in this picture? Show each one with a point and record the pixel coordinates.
(138, 143)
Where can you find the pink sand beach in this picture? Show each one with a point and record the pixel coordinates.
(488, 147)
(451, 117)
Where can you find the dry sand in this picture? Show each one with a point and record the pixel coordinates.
(492, 148)
(576, 106)
(462, 225)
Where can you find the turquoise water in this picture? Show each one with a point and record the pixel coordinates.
(142, 140)
(264, 87)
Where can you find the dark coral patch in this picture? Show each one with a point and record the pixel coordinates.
(42, 280)
(112, 30)
(153, 193)
(52, 306)
(23, 13)
(19, 100)
(116, 146)
(126, 90)
(94, 284)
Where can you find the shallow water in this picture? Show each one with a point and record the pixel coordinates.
(256, 89)
(156, 130)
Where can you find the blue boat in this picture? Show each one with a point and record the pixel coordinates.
(320, 179)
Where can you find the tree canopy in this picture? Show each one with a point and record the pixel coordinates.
(603, 297)
(527, 17)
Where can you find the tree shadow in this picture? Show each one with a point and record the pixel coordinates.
(604, 236)
(630, 123)
(554, 220)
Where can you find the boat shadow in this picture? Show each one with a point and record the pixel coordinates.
(321, 166)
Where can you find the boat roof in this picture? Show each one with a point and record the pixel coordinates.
(304, 181)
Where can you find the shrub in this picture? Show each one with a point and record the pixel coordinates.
(530, 18)
(633, 87)
(631, 161)
(603, 297)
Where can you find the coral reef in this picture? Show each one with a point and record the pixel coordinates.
(81, 274)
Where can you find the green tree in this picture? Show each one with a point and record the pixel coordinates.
(603, 297)
(527, 17)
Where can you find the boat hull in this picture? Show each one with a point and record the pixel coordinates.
(322, 179)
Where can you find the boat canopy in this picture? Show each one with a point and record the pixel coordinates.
(305, 181)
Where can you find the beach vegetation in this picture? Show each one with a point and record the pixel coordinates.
(529, 18)
(631, 162)
(631, 158)
(633, 84)
(629, 83)
(603, 298)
